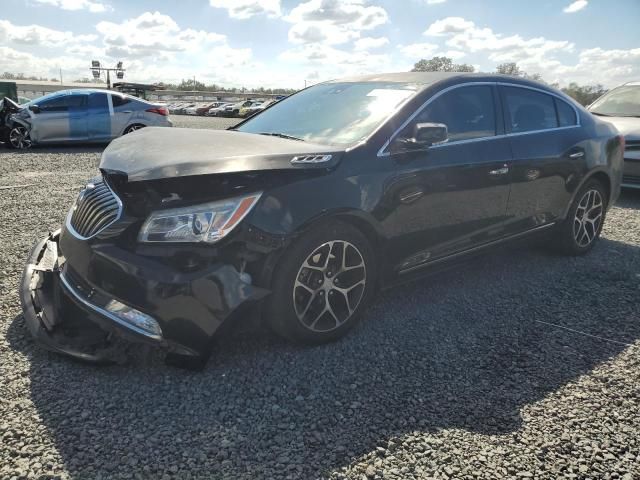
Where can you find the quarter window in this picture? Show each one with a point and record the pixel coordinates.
(566, 113)
(119, 100)
(468, 113)
(529, 110)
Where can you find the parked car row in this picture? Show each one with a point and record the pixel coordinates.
(242, 109)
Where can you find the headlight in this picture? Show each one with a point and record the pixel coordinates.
(208, 222)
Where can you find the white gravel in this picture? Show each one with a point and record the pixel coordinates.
(452, 377)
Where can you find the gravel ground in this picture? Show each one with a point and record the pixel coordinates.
(454, 378)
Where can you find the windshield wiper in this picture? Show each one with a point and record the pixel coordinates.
(282, 135)
(602, 114)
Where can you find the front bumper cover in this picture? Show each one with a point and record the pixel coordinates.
(66, 313)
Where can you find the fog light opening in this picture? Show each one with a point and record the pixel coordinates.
(134, 317)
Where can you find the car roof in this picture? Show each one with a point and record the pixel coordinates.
(427, 79)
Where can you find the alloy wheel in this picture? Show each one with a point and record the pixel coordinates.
(19, 138)
(586, 223)
(133, 128)
(329, 286)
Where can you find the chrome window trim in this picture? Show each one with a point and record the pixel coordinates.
(383, 153)
(105, 313)
(72, 230)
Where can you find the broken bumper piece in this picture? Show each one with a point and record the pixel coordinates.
(52, 318)
(67, 313)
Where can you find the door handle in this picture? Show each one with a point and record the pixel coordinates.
(127, 111)
(499, 171)
(577, 155)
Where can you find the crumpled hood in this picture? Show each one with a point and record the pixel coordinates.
(628, 126)
(155, 152)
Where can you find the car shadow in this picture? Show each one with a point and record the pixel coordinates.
(629, 198)
(466, 351)
(75, 148)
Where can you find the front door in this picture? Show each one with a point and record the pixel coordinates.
(449, 197)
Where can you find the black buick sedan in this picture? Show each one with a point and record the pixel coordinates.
(309, 207)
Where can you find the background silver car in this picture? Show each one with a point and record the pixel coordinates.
(621, 107)
(85, 115)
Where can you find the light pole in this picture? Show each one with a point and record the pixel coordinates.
(96, 69)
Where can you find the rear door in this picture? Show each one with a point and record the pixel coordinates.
(123, 110)
(546, 154)
(99, 120)
(453, 196)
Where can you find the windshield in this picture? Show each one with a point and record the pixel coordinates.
(332, 113)
(621, 102)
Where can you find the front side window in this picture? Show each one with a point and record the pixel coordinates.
(341, 113)
(529, 110)
(55, 104)
(468, 112)
(621, 102)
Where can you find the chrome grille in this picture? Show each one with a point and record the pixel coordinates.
(95, 209)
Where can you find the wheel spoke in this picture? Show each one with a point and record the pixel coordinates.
(316, 294)
(588, 217)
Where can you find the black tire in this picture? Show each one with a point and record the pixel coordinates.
(132, 128)
(577, 235)
(282, 312)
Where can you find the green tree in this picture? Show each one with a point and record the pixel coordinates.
(584, 94)
(441, 64)
(510, 68)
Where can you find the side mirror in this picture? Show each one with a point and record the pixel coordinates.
(424, 135)
(427, 134)
(35, 108)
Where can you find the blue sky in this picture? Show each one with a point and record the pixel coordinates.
(285, 42)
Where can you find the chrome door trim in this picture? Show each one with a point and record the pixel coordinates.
(476, 248)
(383, 153)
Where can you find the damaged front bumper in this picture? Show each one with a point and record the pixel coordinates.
(68, 310)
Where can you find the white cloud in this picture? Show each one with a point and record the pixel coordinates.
(370, 43)
(576, 6)
(333, 22)
(448, 26)
(354, 13)
(243, 9)
(153, 35)
(321, 32)
(36, 35)
(418, 51)
(435, 2)
(465, 36)
(95, 7)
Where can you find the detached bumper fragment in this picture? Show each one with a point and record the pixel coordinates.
(53, 320)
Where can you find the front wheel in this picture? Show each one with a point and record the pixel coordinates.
(18, 138)
(581, 228)
(323, 284)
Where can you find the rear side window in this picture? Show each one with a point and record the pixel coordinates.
(119, 100)
(529, 110)
(468, 113)
(566, 113)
